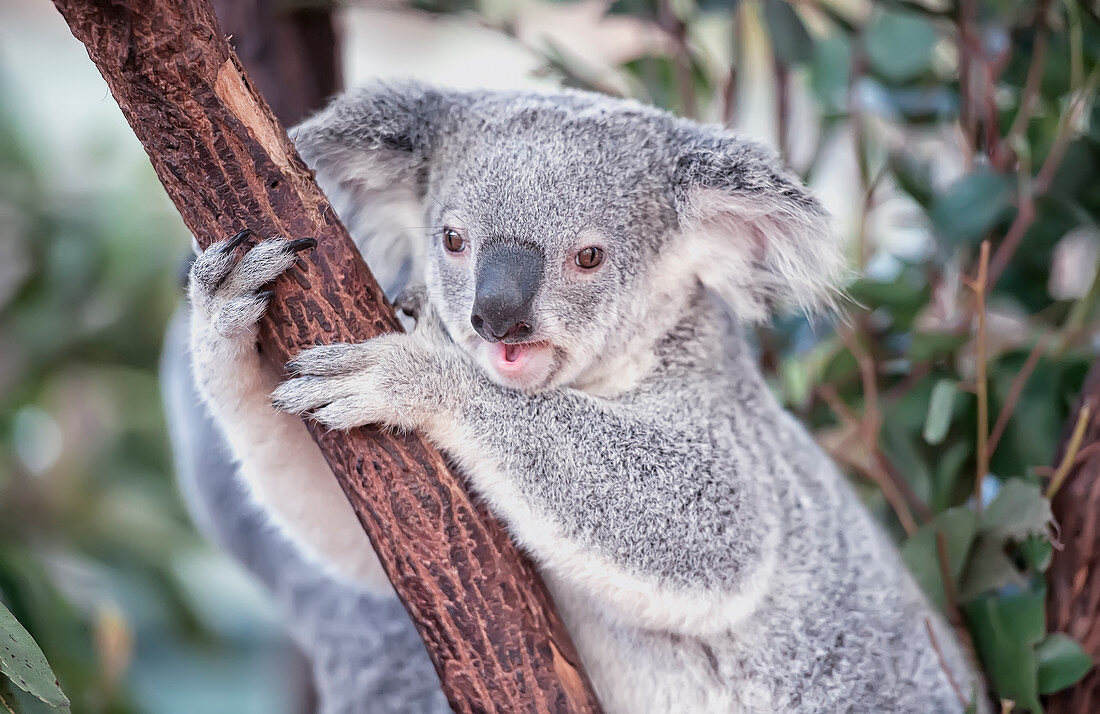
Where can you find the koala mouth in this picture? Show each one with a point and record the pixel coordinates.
(519, 361)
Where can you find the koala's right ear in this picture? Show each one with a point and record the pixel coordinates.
(369, 148)
(760, 238)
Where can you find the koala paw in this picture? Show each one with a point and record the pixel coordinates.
(225, 291)
(389, 380)
(414, 302)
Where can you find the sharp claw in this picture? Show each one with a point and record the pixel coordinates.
(236, 240)
(303, 244)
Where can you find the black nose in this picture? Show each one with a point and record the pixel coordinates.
(508, 277)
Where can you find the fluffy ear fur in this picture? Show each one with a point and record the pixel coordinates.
(760, 237)
(370, 148)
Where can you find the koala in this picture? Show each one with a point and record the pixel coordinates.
(583, 270)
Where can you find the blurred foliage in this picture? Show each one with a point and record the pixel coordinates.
(963, 122)
(93, 536)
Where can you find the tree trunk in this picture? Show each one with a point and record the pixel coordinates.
(487, 620)
(289, 51)
(291, 55)
(1073, 601)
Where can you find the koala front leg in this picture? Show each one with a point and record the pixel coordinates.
(274, 451)
(612, 498)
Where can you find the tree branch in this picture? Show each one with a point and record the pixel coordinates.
(489, 624)
(1074, 575)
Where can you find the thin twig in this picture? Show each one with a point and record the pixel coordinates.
(872, 420)
(889, 489)
(951, 598)
(782, 106)
(829, 394)
(1015, 391)
(1025, 214)
(1070, 457)
(1032, 85)
(943, 664)
(965, 17)
(876, 473)
(676, 29)
(1065, 132)
(982, 385)
(895, 488)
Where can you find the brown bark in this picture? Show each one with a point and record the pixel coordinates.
(1073, 598)
(488, 622)
(289, 51)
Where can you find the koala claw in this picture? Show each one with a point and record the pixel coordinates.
(230, 245)
(224, 290)
(302, 244)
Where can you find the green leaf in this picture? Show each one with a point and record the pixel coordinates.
(921, 553)
(1062, 662)
(1006, 627)
(913, 176)
(988, 568)
(1018, 511)
(899, 45)
(14, 700)
(1037, 552)
(971, 206)
(948, 467)
(791, 41)
(23, 662)
(829, 72)
(931, 345)
(940, 408)
(646, 9)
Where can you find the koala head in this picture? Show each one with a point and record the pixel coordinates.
(559, 233)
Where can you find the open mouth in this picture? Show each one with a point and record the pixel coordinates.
(513, 359)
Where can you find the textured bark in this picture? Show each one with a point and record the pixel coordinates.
(1073, 600)
(289, 51)
(488, 622)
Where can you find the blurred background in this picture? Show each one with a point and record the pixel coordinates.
(927, 127)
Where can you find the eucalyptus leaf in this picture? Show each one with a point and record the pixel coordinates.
(1006, 627)
(970, 207)
(14, 700)
(913, 176)
(940, 408)
(1062, 662)
(829, 71)
(1018, 511)
(932, 345)
(791, 41)
(1037, 552)
(23, 662)
(899, 44)
(948, 467)
(988, 568)
(921, 552)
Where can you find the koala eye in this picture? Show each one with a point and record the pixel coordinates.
(453, 241)
(590, 257)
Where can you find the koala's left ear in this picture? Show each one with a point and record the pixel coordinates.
(371, 148)
(760, 237)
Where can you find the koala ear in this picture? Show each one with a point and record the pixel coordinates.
(370, 148)
(761, 238)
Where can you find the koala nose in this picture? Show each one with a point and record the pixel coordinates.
(508, 277)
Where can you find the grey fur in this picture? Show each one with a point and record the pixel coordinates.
(706, 555)
(366, 656)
